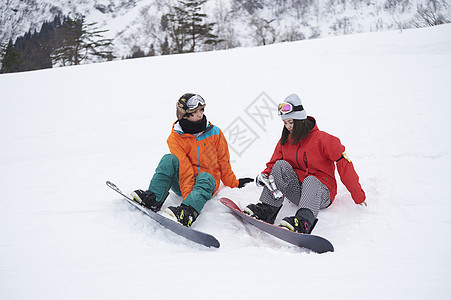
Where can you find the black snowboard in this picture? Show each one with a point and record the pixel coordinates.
(187, 232)
(312, 242)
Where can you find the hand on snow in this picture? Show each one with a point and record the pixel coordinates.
(259, 179)
(244, 181)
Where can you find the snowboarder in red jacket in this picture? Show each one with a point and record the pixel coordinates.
(302, 168)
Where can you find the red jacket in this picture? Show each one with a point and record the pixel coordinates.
(317, 156)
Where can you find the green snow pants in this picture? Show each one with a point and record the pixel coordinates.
(166, 177)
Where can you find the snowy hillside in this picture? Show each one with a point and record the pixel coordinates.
(136, 24)
(65, 235)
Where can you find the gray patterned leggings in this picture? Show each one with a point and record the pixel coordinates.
(311, 193)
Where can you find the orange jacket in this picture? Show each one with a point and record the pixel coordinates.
(204, 152)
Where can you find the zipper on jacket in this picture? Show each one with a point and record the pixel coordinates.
(306, 163)
(198, 155)
(297, 161)
(304, 159)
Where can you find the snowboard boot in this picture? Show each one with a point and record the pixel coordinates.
(147, 199)
(262, 211)
(303, 222)
(183, 214)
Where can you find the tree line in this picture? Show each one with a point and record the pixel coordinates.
(62, 42)
(172, 27)
(69, 41)
(163, 26)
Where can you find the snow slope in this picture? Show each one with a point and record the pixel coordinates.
(64, 132)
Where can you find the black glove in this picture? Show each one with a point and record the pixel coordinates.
(244, 181)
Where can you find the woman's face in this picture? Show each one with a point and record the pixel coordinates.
(288, 124)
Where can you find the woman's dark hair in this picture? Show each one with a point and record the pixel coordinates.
(301, 130)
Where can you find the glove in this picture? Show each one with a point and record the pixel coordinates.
(259, 179)
(243, 181)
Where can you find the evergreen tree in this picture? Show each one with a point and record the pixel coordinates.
(175, 25)
(26, 54)
(30, 51)
(164, 47)
(188, 27)
(136, 53)
(11, 60)
(80, 40)
(151, 51)
(34, 53)
(68, 42)
(2, 50)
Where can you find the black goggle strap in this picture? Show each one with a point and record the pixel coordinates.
(298, 108)
(293, 108)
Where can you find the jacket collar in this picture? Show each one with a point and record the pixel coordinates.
(177, 128)
(315, 128)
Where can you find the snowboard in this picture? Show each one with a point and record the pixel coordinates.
(313, 242)
(187, 232)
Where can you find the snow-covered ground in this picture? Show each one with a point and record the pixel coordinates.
(65, 235)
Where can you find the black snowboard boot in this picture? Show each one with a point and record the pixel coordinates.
(147, 199)
(183, 214)
(303, 222)
(262, 211)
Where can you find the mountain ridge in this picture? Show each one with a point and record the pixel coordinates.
(136, 24)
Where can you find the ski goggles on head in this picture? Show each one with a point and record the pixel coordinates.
(194, 102)
(285, 108)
